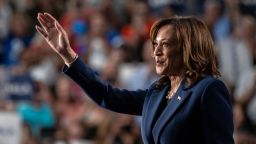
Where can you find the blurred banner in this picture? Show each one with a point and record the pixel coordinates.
(10, 128)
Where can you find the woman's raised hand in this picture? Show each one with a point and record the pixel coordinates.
(55, 36)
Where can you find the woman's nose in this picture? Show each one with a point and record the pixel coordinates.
(158, 50)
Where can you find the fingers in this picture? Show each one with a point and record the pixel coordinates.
(59, 28)
(49, 17)
(51, 20)
(44, 18)
(56, 23)
(46, 21)
(43, 22)
(41, 31)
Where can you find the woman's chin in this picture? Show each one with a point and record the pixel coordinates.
(159, 71)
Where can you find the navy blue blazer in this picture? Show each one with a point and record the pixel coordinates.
(198, 114)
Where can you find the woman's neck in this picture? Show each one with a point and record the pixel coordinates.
(175, 83)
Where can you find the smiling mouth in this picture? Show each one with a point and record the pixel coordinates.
(159, 62)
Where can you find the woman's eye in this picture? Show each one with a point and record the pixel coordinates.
(166, 45)
(154, 45)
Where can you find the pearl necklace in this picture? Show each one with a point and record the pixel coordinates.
(170, 94)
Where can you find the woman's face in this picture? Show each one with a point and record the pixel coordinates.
(167, 56)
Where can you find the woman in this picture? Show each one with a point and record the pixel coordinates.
(188, 104)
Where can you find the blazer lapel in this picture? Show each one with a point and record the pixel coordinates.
(151, 110)
(169, 111)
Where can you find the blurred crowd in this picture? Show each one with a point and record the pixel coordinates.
(112, 36)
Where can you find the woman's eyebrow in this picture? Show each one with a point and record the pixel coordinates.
(161, 40)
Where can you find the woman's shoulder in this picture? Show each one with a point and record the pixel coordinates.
(209, 85)
(206, 81)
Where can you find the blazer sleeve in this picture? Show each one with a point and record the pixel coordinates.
(118, 100)
(217, 117)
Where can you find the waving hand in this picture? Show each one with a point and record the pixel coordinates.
(55, 36)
